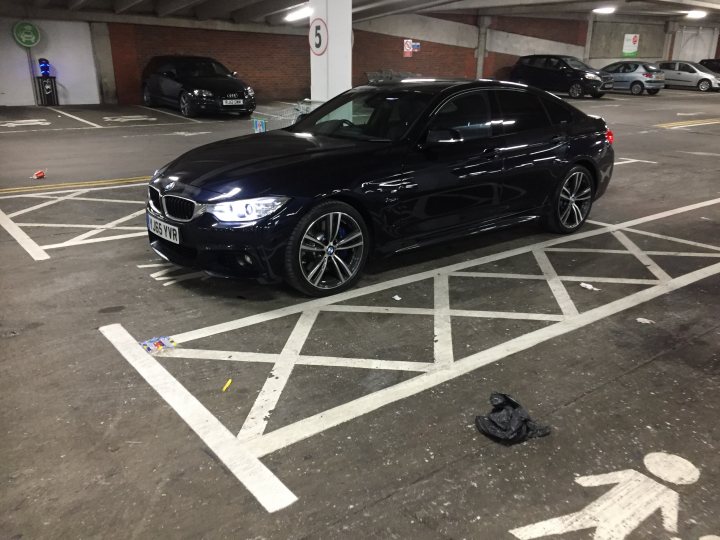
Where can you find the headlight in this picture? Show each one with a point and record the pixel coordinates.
(592, 77)
(203, 93)
(247, 209)
(250, 91)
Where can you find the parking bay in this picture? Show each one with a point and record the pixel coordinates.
(366, 431)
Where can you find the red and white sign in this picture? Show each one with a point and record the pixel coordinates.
(318, 36)
(407, 48)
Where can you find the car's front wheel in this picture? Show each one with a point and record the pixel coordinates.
(187, 109)
(704, 85)
(327, 250)
(571, 202)
(576, 90)
(148, 100)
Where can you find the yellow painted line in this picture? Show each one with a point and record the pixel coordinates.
(66, 185)
(690, 123)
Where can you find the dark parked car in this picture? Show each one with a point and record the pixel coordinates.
(561, 74)
(712, 63)
(636, 76)
(195, 84)
(383, 169)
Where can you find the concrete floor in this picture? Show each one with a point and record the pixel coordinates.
(370, 437)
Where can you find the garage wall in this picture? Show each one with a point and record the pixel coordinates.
(376, 52)
(508, 38)
(68, 46)
(277, 66)
(607, 41)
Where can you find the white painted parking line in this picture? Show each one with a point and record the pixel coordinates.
(642, 256)
(27, 243)
(270, 492)
(710, 154)
(91, 199)
(76, 118)
(96, 240)
(84, 236)
(79, 226)
(443, 351)
(556, 286)
(162, 111)
(626, 161)
(46, 203)
(682, 241)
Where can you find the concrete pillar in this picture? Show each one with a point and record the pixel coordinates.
(483, 24)
(588, 38)
(102, 52)
(330, 48)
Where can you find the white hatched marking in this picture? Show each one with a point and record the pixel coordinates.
(556, 286)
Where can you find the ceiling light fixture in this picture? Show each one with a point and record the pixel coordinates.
(298, 14)
(604, 10)
(697, 14)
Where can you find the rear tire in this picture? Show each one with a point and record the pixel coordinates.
(575, 91)
(704, 85)
(572, 202)
(636, 88)
(653, 92)
(148, 100)
(327, 250)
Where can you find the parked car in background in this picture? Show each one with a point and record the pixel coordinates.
(712, 63)
(636, 76)
(561, 74)
(381, 168)
(690, 75)
(195, 84)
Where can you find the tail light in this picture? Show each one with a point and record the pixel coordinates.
(609, 136)
(648, 75)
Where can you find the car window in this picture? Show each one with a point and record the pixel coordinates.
(629, 68)
(553, 63)
(167, 67)
(667, 65)
(558, 111)
(468, 114)
(521, 111)
(686, 68)
(612, 68)
(576, 64)
(201, 67)
(651, 68)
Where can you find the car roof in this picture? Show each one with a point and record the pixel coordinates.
(180, 57)
(436, 86)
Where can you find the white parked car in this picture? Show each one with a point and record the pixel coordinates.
(690, 74)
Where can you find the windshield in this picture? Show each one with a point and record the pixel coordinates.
(371, 115)
(651, 67)
(702, 68)
(201, 68)
(576, 64)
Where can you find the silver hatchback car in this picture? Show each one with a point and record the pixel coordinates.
(690, 74)
(636, 76)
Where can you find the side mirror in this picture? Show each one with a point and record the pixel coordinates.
(440, 137)
(234, 74)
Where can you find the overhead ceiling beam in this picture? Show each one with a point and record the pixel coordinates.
(121, 6)
(482, 4)
(414, 8)
(258, 11)
(40, 3)
(691, 4)
(221, 9)
(373, 5)
(168, 7)
(77, 4)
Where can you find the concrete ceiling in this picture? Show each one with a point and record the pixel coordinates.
(273, 12)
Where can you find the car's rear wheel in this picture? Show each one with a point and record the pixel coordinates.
(704, 85)
(636, 88)
(571, 202)
(327, 250)
(187, 108)
(147, 97)
(653, 91)
(575, 91)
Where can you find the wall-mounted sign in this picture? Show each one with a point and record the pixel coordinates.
(409, 47)
(318, 37)
(630, 45)
(26, 34)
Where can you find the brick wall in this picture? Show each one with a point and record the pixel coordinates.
(277, 66)
(375, 52)
(498, 65)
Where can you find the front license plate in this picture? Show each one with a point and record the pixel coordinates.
(607, 85)
(163, 230)
(232, 101)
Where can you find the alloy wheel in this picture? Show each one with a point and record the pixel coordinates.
(704, 85)
(575, 200)
(575, 90)
(184, 105)
(636, 89)
(331, 250)
(147, 98)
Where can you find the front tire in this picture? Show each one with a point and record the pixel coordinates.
(327, 250)
(571, 202)
(575, 91)
(187, 109)
(704, 85)
(148, 100)
(653, 91)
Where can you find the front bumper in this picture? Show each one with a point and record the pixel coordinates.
(215, 105)
(591, 86)
(223, 249)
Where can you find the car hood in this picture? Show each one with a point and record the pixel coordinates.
(219, 84)
(254, 164)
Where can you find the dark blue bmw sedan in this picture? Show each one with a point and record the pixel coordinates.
(378, 170)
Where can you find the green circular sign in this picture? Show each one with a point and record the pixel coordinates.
(26, 34)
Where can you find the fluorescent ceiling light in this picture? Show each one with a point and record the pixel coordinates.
(604, 10)
(696, 14)
(298, 14)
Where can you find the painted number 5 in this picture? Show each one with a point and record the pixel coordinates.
(318, 37)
